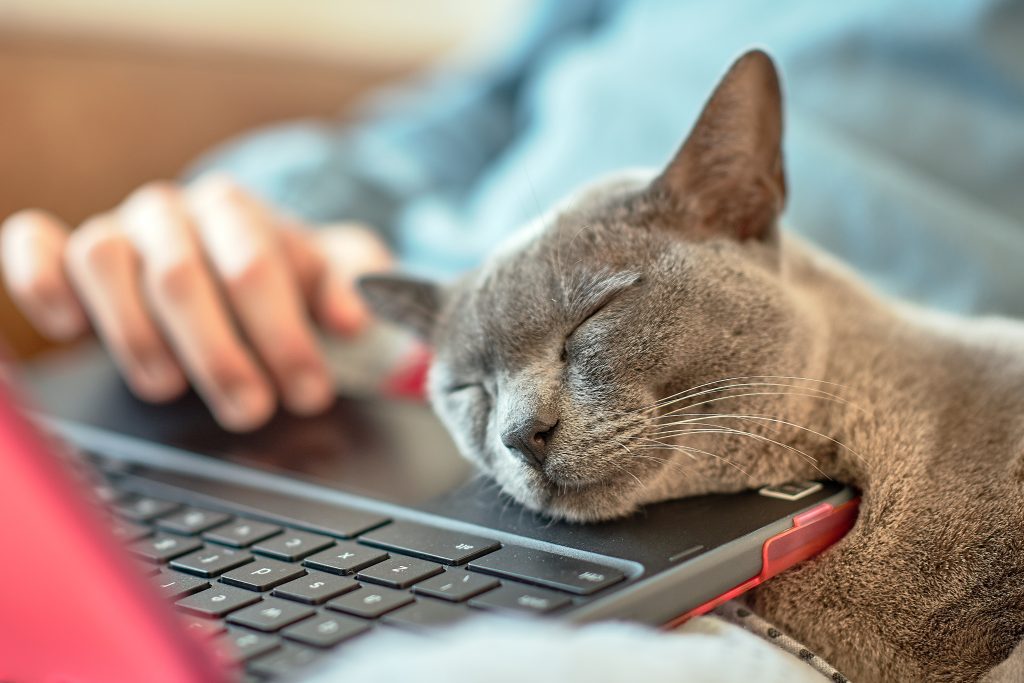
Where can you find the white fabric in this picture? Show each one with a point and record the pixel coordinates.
(512, 650)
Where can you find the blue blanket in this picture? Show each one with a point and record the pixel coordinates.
(904, 142)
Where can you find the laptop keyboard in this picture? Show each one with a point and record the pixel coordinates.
(276, 597)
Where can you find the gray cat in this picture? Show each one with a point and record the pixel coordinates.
(658, 338)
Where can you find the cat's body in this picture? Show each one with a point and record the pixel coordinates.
(929, 585)
(656, 339)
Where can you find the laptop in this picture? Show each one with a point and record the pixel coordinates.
(211, 556)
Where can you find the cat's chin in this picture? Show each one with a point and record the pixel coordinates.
(591, 503)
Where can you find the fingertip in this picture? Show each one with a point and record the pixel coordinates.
(244, 407)
(344, 314)
(309, 392)
(157, 380)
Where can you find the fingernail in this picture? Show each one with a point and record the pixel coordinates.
(157, 371)
(244, 407)
(158, 378)
(308, 392)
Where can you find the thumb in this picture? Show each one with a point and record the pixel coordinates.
(349, 250)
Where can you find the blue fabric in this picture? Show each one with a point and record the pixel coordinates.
(904, 142)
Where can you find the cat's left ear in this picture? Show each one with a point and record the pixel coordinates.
(410, 302)
(727, 177)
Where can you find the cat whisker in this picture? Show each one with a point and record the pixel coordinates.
(804, 392)
(623, 469)
(722, 429)
(690, 450)
(809, 392)
(719, 429)
(747, 394)
(702, 418)
(750, 378)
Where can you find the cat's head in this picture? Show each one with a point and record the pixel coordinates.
(550, 357)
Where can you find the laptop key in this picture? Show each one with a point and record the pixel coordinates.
(241, 533)
(217, 601)
(430, 543)
(326, 630)
(240, 645)
(520, 599)
(345, 558)
(144, 567)
(270, 615)
(315, 588)
(292, 545)
(174, 585)
(547, 569)
(284, 662)
(204, 627)
(129, 531)
(262, 575)
(211, 561)
(369, 602)
(300, 512)
(108, 494)
(191, 521)
(425, 614)
(142, 509)
(456, 586)
(400, 572)
(162, 547)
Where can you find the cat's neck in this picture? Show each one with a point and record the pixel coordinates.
(917, 383)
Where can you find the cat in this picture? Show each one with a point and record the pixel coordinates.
(660, 336)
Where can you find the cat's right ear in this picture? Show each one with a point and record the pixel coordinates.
(410, 302)
(727, 178)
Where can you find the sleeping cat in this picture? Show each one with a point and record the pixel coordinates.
(659, 337)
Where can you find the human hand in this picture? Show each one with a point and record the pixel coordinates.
(203, 284)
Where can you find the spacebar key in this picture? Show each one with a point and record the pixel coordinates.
(547, 569)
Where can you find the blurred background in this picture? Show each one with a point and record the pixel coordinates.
(904, 120)
(99, 96)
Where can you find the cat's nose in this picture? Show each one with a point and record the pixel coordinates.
(529, 440)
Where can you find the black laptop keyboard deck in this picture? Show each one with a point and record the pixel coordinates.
(275, 596)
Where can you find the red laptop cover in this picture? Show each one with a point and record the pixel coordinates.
(73, 609)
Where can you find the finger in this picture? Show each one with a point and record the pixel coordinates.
(32, 247)
(304, 260)
(350, 250)
(185, 300)
(239, 236)
(104, 267)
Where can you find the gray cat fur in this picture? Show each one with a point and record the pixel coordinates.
(654, 287)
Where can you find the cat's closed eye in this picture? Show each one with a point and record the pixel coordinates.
(464, 386)
(568, 338)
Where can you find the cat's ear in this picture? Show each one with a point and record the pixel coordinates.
(728, 177)
(410, 302)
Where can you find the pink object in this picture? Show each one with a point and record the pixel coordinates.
(72, 607)
(410, 378)
(812, 531)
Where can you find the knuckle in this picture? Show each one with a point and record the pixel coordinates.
(95, 246)
(177, 280)
(156, 192)
(219, 187)
(27, 220)
(255, 271)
